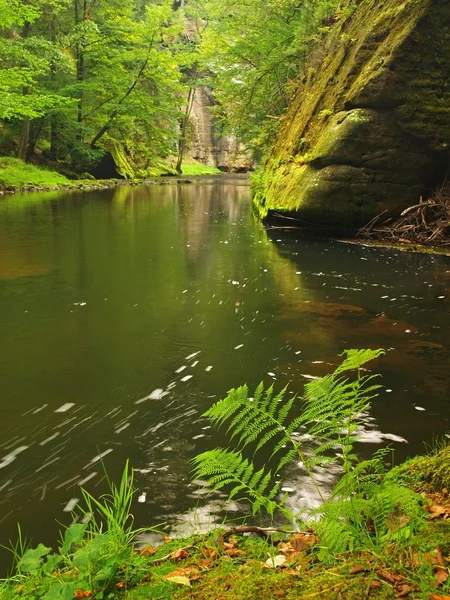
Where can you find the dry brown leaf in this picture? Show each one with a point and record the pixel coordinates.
(441, 575)
(179, 554)
(436, 511)
(375, 584)
(302, 541)
(227, 545)
(404, 590)
(166, 539)
(285, 548)
(438, 597)
(121, 585)
(147, 551)
(210, 552)
(205, 563)
(234, 552)
(388, 576)
(294, 572)
(358, 569)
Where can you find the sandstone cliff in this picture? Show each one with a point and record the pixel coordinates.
(207, 144)
(369, 129)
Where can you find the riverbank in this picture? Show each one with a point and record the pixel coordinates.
(252, 562)
(18, 176)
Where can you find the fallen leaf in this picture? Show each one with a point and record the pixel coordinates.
(436, 511)
(191, 572)
(441, 574)
(292, 572)
(375, 584)
(302, 541)
(205, 563)
(227, 545)
(210, 552)
(388, 576)
(147, 551)
(178, 579)
(121, 585)
(285, 548)
(234, 552)
(405, 590)
(276, 561)
(438, 597)
(358, 569)
(179, 554)
(167, 539)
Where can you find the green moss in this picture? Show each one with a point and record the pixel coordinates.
(121, 161)
(432, 470)
(193, 167)
(14, 173)
(391, 57)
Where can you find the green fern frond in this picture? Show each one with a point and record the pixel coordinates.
(254, 420)
(332, 410)
(355, 359)
(224, 467)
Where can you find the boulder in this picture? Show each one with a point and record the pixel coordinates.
(368, 130)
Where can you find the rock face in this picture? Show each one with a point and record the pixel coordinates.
(207, 145)
(369, 129)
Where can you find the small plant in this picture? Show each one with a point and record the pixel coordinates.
(332, 410)
(93, 555)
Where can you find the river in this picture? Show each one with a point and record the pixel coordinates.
(124, 313)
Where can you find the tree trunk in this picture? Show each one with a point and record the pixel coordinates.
(22, 148)
(80, 66)
(183, 130)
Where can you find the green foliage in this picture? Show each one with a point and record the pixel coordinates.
(93, 554)
(256, 52)
(365, 509)
(332, 410)
(224, 467)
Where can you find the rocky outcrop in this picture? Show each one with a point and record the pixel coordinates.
(206, 142)
(369, 128)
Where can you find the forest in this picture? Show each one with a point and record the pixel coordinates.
(80, 78)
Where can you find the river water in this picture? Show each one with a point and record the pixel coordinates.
(125, 313)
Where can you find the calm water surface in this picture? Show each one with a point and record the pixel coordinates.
(125, 313)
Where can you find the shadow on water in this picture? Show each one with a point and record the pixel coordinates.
(125, 313)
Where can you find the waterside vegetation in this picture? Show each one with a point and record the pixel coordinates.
(380, 534)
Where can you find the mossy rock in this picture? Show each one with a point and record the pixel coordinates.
(369, 130)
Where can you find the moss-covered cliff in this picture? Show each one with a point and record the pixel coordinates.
(369, 128)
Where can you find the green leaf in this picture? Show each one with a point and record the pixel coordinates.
(51, 562)
(92, 551)
(60, 591)
(33, 558)
(73, 536)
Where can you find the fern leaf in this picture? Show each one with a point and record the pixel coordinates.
(223, 467)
